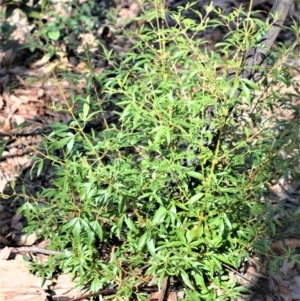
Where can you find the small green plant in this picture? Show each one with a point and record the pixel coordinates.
(55, 26)
(170, 187)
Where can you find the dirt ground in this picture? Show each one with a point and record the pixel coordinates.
(29, 92)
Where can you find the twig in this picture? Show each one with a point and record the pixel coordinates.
(111, 291)
(102, 292)
(4, 240)
(164, 286)
(268, 292)
(34, 249)
(38, 131)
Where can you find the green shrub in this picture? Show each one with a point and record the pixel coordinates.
(171, 187)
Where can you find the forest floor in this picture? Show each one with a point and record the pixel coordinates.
(29, 93)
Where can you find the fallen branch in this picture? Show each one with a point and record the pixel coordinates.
(255, 56)
(34, 249)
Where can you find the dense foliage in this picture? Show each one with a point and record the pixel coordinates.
(173, 185)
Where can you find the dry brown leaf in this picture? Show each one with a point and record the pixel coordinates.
(3, 240)
(16, 218)
(252, 271)
(6, 126)
(279, 246)
(18, 119)
(269, 298)
(9, 57)
(19, 227)
(26, 293)
(287, 297)
(22, 240)
(283, 289)
(171, 296)
(15, 279)
(5, 253)
(296, 281)
(219, 291)
(287, 267)
(278, 279)
(6, 96)
(18, 284)
(4, 80)
(3, 181)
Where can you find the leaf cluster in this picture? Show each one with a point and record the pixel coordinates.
(172, 187)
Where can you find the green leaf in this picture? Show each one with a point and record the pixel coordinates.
(195, 175)
(227, 221)
(70, 224)
(40, 167)
(181, 235)
(34, 14)
(251, 84)
(171, 245)
(190, 235)
(168, 136)
(130, 224)
(223, 258)
(26, 257)
(77, 230)
(95, 225)
(246, 93)
(200, 281)
(143, 240)
(186, 279)
(53, 34)
(160, 215)
(96, 284)
(195, 198)
(151, 247)
(86, 109)
(61, 143)
(70, 145)
(2, 147)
